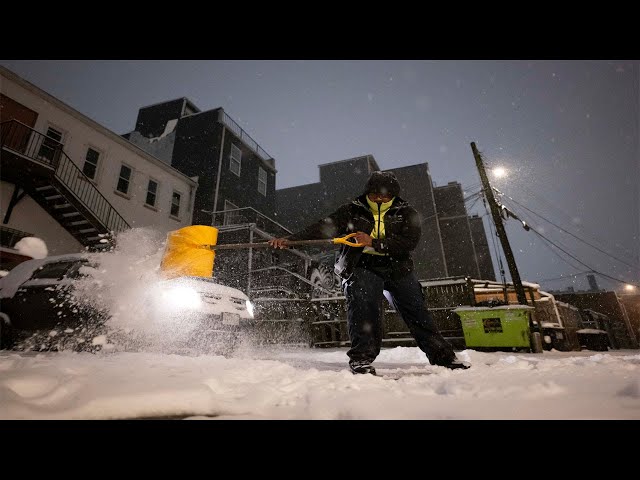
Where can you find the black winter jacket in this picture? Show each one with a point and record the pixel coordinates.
(402, 232)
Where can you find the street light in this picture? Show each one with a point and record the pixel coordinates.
(499, 172)
(629, 288)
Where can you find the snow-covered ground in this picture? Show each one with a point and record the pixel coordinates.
(279, 382)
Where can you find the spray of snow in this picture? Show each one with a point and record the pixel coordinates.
(33, 247)
(122, 302)
(120, 284)
(127, 283)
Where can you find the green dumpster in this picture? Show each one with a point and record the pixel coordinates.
(495, 328)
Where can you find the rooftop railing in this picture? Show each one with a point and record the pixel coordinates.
(244, 136)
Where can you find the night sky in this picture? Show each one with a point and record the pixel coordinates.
(566, 131)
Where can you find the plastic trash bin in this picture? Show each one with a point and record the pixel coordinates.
(496, 328)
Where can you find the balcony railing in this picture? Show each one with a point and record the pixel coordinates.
(224, 219)
(29, 143)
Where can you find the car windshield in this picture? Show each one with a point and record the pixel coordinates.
(53, 270)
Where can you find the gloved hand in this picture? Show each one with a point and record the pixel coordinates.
(364, 238)
(278, 243)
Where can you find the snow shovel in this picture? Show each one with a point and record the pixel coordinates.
(325, 241)
(190, 250)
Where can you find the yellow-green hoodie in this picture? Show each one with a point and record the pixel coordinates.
(378, 223)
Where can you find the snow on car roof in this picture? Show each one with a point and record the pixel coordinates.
(10, 283)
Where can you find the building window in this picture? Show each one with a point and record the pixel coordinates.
(175, 204)
(51, 145)
(152, 190)
(90, 166)
(262, 181)
(124, 179)
(231, 214)
(236, 158)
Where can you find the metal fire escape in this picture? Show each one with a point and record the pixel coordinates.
(38, 167)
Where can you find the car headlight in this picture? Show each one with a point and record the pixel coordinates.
(182, 297)
(250, 308)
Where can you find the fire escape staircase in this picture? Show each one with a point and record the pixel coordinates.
(38, 166)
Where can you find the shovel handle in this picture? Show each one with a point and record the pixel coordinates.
(345, 241)
(338, 240)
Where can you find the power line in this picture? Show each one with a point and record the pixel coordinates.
(469, 197)
(580, 261)
(554, 206)
(505, 210)
(591, 269)
(564, 277)
(472, 186)
(546, 244)
(475, 201)
(553, 251)
(574, 236)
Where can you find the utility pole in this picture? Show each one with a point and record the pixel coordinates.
(500, 231)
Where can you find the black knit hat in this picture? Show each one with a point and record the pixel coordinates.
(383, 182)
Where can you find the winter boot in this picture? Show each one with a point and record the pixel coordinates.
(455, 364)
(362, 366)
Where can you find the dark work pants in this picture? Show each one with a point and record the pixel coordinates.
(364, 293)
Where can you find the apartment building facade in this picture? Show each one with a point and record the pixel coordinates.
(73, 183)
(233, 171)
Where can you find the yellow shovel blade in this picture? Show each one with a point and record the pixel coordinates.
(183, 255)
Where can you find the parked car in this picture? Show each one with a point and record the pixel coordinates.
(594, 331)
(593, 339)
(40, 308)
